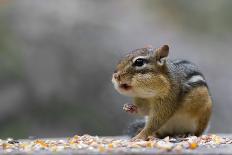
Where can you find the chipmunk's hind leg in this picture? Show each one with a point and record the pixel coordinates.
(198, 103)
(192, 117)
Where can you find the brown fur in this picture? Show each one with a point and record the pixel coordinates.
(197, 105)
(156, 97)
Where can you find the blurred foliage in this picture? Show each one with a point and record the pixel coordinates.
(58, 111)
(10, 58)
(212, 17)
(14, 128)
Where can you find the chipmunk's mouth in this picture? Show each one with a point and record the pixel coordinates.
(122, 87)
(125, 86)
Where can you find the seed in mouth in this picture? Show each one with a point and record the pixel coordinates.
(125, 86)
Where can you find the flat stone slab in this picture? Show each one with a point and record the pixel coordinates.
(86, 144)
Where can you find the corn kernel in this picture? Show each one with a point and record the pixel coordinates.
(193, 146)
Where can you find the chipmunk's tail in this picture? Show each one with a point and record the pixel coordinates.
(135, 127)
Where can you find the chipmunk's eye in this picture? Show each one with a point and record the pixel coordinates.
(139, 62)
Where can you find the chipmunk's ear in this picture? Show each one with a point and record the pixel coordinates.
(161, 54)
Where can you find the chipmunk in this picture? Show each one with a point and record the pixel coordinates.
(172, 94)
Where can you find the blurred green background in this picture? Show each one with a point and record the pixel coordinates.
(57, 57)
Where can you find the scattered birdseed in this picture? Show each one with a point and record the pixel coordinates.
(97, 144)
(193, 146)
(13, 142)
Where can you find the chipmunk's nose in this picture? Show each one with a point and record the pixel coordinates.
(116, 76)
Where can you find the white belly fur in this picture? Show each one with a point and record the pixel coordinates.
(179, 123)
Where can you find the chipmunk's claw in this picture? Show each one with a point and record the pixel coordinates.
(139, 137)
(131, 108)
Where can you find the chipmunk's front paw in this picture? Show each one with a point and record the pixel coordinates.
(139, 137)
(145, 134)
(131, 108)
